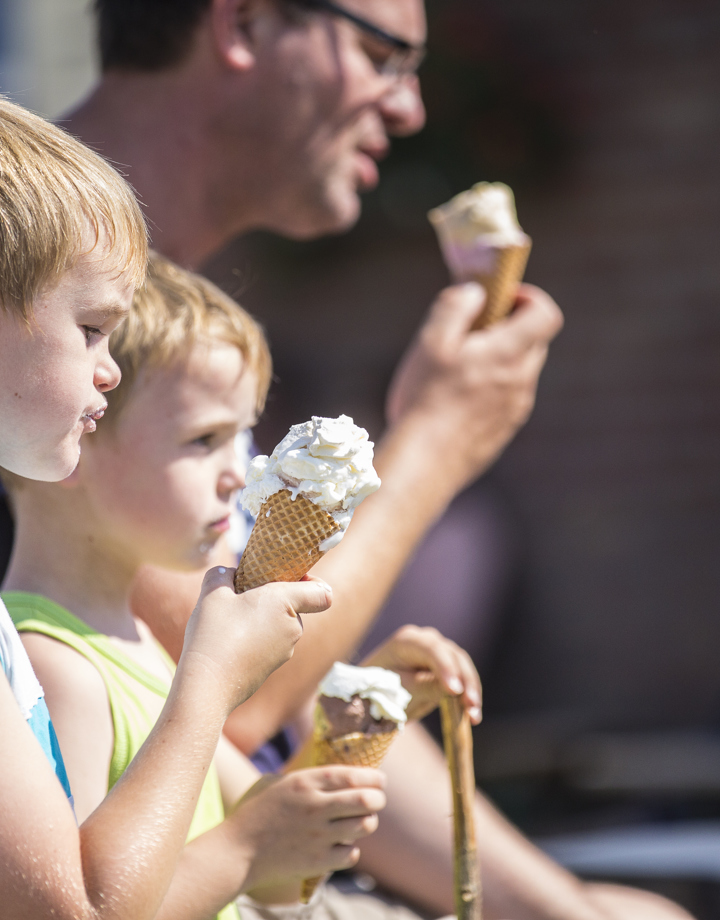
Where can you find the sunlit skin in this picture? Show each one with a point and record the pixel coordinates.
(56, 368)
(275, 124)
(334, 116)
(178, 426)
(269, 122)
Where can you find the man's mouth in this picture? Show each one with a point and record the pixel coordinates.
(367, 171)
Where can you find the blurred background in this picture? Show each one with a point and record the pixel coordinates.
(590, 596)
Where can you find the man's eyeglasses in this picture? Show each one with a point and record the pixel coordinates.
(391, 55)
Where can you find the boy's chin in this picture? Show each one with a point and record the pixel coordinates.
(53, 468)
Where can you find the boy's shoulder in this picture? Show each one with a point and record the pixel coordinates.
(66, 675)
(16, 666)
(79, 705)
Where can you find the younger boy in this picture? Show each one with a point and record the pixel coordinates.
(156, 485)
(73, 249)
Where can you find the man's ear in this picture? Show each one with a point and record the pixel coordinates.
(232, 23)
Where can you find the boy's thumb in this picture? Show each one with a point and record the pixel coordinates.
(308, 596)
(220, 576)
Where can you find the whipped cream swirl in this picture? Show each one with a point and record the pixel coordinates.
(328, 460)
(388, 698)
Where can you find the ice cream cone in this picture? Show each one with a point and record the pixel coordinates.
(358, 749)
(285, 542)
(501, 282)
(482, 241)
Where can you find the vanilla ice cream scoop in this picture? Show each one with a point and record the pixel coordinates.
(482, 241)
(381, 688)
(327, 460)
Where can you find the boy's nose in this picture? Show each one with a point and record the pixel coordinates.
(107, 374)
(232, 478)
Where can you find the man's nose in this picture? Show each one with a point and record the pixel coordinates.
(402, 107)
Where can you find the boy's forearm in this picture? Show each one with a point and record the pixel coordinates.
(362, 571)
(210, 874)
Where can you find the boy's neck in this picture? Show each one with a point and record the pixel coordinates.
(61, 553)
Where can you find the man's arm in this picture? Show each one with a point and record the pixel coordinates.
(457, 400)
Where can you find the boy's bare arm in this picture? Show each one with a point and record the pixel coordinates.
(121, 863)
(286, 829)
(257, 848)
(457, 400)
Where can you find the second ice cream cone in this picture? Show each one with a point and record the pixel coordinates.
(358, 715)
(285, 542)
(357, 749)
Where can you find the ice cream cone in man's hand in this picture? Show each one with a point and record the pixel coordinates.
(303, 497)
(481, 241)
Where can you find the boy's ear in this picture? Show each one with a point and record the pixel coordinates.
(233, 24)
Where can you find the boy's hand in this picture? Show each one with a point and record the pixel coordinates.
(237, 640)
(430, 666)
(305, 824)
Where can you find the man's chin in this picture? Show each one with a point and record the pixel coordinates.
(333, 218)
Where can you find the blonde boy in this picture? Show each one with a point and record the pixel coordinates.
(156, 485)
(72, 251)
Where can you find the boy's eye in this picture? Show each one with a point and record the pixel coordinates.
(91, 332)
(205, 440)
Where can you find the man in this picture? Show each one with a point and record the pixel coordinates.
(232, 115)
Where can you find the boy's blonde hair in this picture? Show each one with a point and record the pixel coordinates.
(54, 194)
(175, 310)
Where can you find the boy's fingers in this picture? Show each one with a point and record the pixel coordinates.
(345, 857)
(353, 803)
(339, 776)
(348, 830)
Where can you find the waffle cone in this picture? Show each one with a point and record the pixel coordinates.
(501, 284)
(285, 541)
(356, 750)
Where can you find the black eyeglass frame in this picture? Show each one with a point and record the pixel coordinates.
(414, 54)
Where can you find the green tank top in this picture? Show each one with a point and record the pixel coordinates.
(132, 722)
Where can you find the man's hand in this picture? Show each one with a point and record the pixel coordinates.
(474, 389)
(235, 641)
(306, 823)
(430, 666)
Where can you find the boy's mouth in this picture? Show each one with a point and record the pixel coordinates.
(90, 418)
(221, 525)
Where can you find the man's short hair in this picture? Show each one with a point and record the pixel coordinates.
(146, 34)
(175, 311)
(58, 201)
